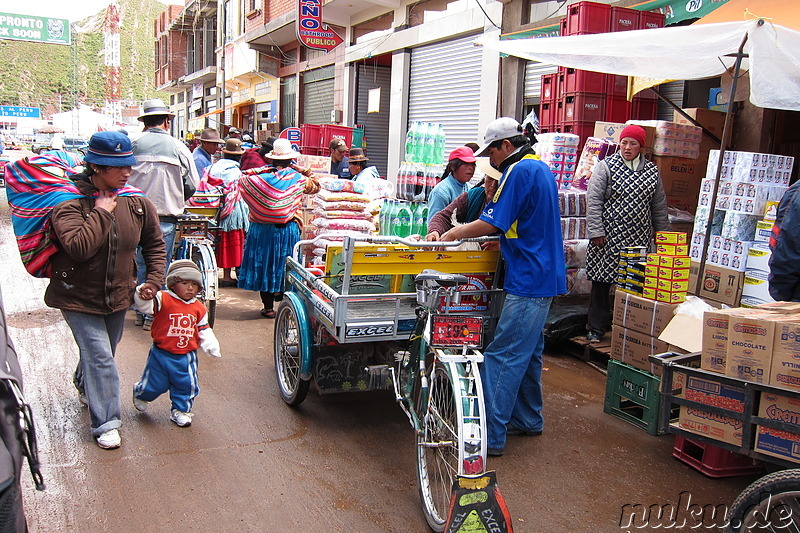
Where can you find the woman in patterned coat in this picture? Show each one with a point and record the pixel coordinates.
(626, 205)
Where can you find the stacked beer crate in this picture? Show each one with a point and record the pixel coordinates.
(572, 100)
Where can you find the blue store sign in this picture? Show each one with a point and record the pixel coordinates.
(19, 111)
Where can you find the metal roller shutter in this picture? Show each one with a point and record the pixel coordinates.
(376, 125)
(533, 80)
(318, 96)
(445, 88)
(674, 90)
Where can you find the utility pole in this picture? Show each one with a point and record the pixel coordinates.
(73, 78)
(113, 101)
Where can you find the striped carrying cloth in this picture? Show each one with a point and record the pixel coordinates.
(35, 185)
(209, 191)
(273, 196)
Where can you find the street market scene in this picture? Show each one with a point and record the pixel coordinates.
(558, 239)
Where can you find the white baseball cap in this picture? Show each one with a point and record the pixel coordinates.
(498, 129)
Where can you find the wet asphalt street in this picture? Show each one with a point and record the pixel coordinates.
(341, 463)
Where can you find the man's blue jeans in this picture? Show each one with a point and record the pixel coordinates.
(512, 368)
(168, 232)
(97, 337)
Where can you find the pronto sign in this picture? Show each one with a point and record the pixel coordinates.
(311, 32)
(36, 29)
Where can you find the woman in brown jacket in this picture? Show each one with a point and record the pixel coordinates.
(94, 272)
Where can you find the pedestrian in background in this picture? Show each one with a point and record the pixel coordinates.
(274, 195)
(625, 205)
(254, 157)
(340, 164)
(203, 155)
(166, 172)
(525, 210)
(459, 170)
(92, 273)
(234, 215)
(180, 326)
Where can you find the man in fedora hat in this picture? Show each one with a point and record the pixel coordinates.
(525, 210)
(209, 145)
(358, 166)
(165, 171)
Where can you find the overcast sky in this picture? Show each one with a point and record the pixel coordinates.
(72, 10)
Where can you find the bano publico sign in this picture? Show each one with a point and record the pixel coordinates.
(311, 32)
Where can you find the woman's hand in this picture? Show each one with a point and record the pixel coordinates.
(491, 245)
(598, 241)
(304, 171)
(107, 200)
(148, 291)
(432, 236)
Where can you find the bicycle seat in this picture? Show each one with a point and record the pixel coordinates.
(440, 278)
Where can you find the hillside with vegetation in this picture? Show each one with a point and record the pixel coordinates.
(57, 77)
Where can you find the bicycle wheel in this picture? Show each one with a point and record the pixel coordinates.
(202, 254)
(292, 338)
(771, 503)
(451, 432)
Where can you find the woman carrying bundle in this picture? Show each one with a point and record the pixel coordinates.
(274, 195)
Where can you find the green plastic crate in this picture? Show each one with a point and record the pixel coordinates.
(633, 396)
(358, 138)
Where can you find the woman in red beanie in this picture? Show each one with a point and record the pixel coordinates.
(626, 205)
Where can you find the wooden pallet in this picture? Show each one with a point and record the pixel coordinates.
(589, 351)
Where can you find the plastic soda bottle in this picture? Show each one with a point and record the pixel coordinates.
(403, 228)
(422, 215)
(393, 220)
(383, 217)
(410, 141)
(419, 143)
(430, 144)
(417, 224)
(440, 142)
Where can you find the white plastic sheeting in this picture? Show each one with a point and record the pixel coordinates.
(682, 52)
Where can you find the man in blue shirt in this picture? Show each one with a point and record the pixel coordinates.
(209, 145)
(525, 210)
(340, 164)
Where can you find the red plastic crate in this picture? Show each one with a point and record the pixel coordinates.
(616, 85)
(582, 129)
(618, 109)
(644, 109)
(329, 131)
(562, 24)
(313, 150)
(548, 114)
(583, 81)
(624, 19)
(649, 20)
(550, 87)
(588, 17)
(584, 107)
(714, 461)
(310, 135)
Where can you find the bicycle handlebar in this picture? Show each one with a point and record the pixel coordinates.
(388, 239)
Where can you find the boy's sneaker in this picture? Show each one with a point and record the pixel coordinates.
(140, 405)
(180, 418)
(147, 324)
(109, 440)
(139, 320)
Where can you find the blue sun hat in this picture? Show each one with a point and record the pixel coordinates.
(110, 148)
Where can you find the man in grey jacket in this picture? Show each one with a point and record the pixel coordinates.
(166, 172)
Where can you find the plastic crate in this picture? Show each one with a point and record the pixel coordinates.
(548, 114)
(550, 87)
(329, 131)
(624, 19)
(310, 136)
(313, 150)
(649, 20)
(588, 17)
(644, 109)
(616, 85)
(358, 138)
(714, 461)
(618, 109)
(583, 81)
(582, 129)
(633, 396)
(584, 107)
(562, 25)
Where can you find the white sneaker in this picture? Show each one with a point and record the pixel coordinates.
(147, 324)
(109, 440)
(140, 405)
(180, 418)
(83, 399)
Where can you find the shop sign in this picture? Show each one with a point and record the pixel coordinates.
(311, 32)
(293, 134)
(36, 29)
(20, 111)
